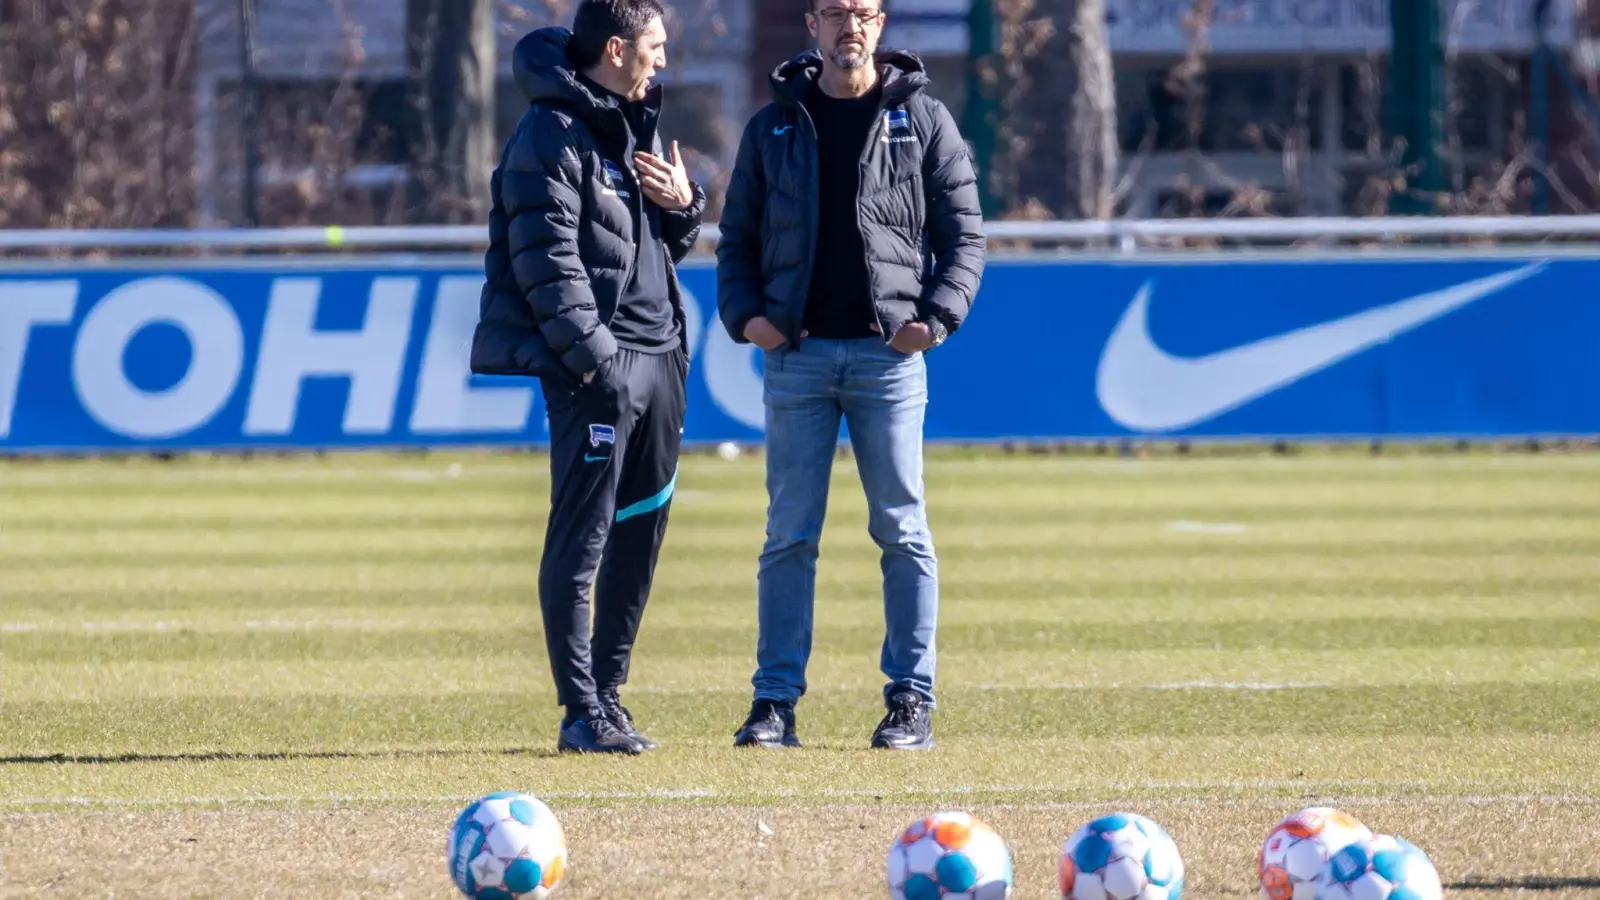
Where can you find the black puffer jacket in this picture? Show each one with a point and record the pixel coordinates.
(566, 213)
(920, 219)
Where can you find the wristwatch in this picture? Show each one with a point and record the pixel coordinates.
(938, 330)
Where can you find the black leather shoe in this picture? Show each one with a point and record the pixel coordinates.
(595, 734)
(611, 706)
(908, 726)
(770, 724)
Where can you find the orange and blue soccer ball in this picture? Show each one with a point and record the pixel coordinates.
(950, 856)
(1295, 853)
(1382, 867)
(507, 846)
(1123, 856)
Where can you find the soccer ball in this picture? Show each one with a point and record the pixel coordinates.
(1295, 853)
(507, 846)
(1382, 867)
(1123, 856)
(949, 856)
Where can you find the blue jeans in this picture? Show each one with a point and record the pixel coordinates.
(881, 394)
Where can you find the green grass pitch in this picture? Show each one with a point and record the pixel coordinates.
(283, 677)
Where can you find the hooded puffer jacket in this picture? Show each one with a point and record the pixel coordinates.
(564, 223)
(920, 219)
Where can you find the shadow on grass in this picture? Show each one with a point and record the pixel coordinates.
(276, 756)
(1525, 883)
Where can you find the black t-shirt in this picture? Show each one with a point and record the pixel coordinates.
(644, 320)
(839, 298)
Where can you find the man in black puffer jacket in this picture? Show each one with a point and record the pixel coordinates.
(852, 243)
(588, 222)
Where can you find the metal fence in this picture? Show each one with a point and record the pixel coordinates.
(1125, 236)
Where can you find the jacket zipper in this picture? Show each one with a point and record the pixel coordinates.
(638, 205)
(861, 166)
(813, 152)
(640, 234)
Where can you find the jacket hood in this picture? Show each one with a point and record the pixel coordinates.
(540, 66)
(902, 72)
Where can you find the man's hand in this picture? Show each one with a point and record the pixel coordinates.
(589, 375)
(764, 334)
(913, 337)
(665, 182)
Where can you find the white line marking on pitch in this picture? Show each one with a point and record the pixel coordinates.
(1159, 686)
(1236, 685)
(1188, 527)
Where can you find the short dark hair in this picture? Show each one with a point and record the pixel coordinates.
(811, 5)
(598, 21)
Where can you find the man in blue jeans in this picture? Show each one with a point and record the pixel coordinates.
(852, 244)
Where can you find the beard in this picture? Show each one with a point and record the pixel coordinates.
(850, 56)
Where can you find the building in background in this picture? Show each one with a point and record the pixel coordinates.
(1290, 103)
(1291, 93)
(332, 104)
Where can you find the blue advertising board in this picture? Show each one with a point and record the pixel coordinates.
(326, 354)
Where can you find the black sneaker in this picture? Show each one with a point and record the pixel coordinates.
(595, 734)
(908, 726)
(770, 724)
(611, 706)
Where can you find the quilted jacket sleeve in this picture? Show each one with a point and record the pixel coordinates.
(739, 280)
(541, 189)
(955, 222)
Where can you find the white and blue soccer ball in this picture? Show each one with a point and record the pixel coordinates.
(1123, 856)
(507, 846)
(1382, 867)
(950, 856)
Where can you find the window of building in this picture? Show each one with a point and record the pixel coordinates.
(305, 122)
(1220, 111)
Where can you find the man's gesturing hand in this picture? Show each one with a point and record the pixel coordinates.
(764, 334)
(665, 182)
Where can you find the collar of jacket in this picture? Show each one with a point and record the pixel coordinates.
(901, 72)
(540, 67)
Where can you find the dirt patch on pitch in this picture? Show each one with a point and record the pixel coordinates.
(1482, 846)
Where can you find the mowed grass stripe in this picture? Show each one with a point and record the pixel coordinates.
(830, 671)
(857, 607)
(668, 640)
(993, 496)
(947, 462)
(489, 720)
(288, 516)
(704, 535)
(1039, 768)
(953, 554)
(998, 575)
(1574, 592)
(1015, 487)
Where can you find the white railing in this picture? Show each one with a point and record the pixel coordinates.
(1127, 234)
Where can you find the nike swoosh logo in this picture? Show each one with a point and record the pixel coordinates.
(588, 458)
(778, 130)
(1145, 388)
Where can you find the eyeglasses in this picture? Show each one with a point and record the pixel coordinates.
(834, 16)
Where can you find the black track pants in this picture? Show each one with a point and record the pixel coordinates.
(613, 465)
